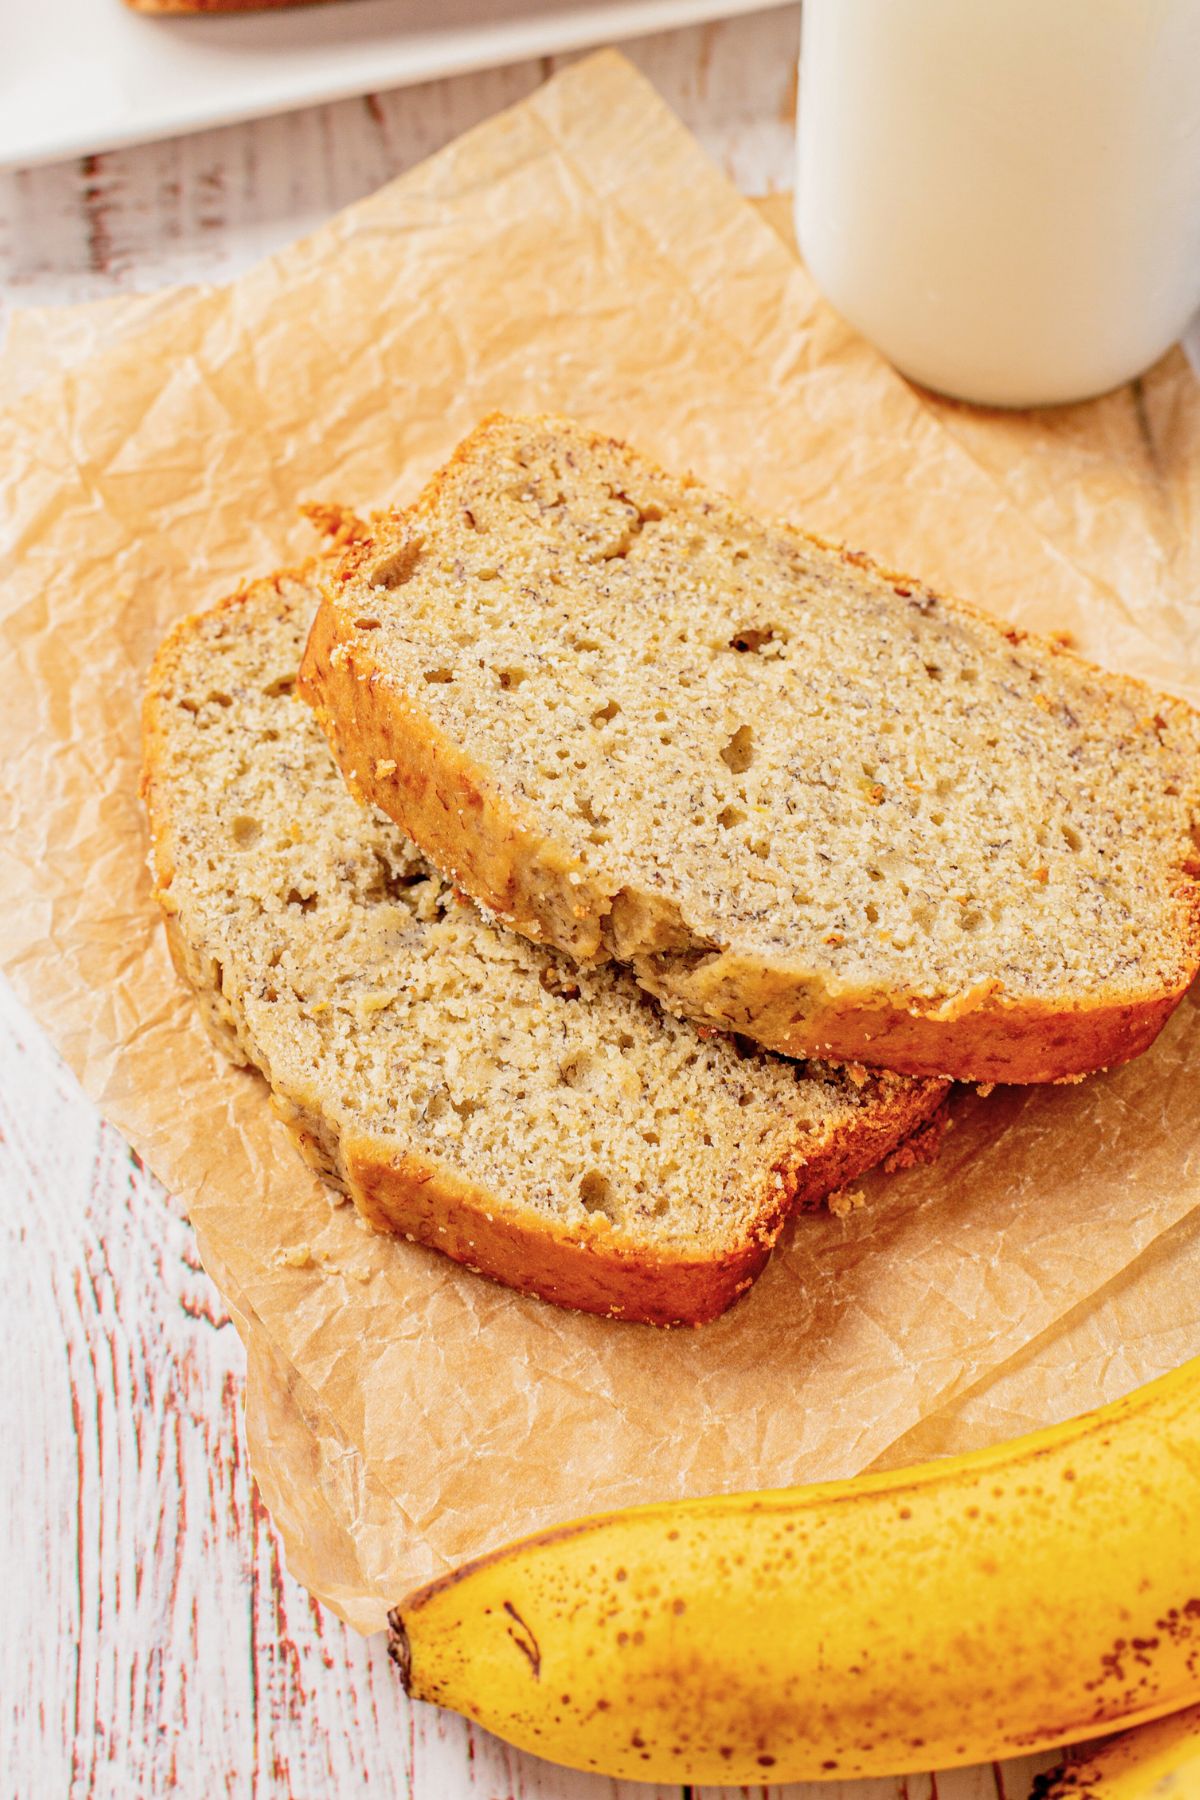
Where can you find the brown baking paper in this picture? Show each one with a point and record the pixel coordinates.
(577, 253)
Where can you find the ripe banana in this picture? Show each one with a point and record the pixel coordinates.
(1155, 1762)
(1033, 1594)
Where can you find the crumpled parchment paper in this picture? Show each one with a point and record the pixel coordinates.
(577, 253)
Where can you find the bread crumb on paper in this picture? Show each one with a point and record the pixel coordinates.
(845, 1201)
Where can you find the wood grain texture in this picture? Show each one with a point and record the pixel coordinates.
(154, 1642)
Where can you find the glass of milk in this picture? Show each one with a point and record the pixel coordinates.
(1004, 195)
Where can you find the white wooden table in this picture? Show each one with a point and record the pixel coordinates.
(153, 1643)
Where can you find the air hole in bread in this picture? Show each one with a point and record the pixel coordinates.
(306, 902)
(596, 1192)
(512, 677)
(439, 677)
(283, 684)
(1072, 838)
(386, 882)
(368, 624)
(754, 639)
(557, 980)
(603, 714)
(738, 753)
(729, 816)
(245, 831)
(574, 1069)
(218, 699)
(394, 569)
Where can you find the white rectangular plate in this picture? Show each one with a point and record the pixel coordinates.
(78, 76)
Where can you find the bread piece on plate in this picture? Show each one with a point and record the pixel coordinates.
(215, 6)
(804, 798)
(552, 1128)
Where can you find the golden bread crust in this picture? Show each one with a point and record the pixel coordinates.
(433, 1205)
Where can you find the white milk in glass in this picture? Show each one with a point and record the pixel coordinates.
(1004, 195)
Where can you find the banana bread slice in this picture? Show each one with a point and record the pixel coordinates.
(806, 799)
(548, 1126)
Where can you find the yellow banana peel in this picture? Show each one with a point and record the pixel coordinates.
(1156, 1762)
(1030, 1595)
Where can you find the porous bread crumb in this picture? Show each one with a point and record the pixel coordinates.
(298, 1256)
(790, 788)
(387, 1014)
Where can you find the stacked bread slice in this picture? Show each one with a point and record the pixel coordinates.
(801, 797)
(643, 799)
